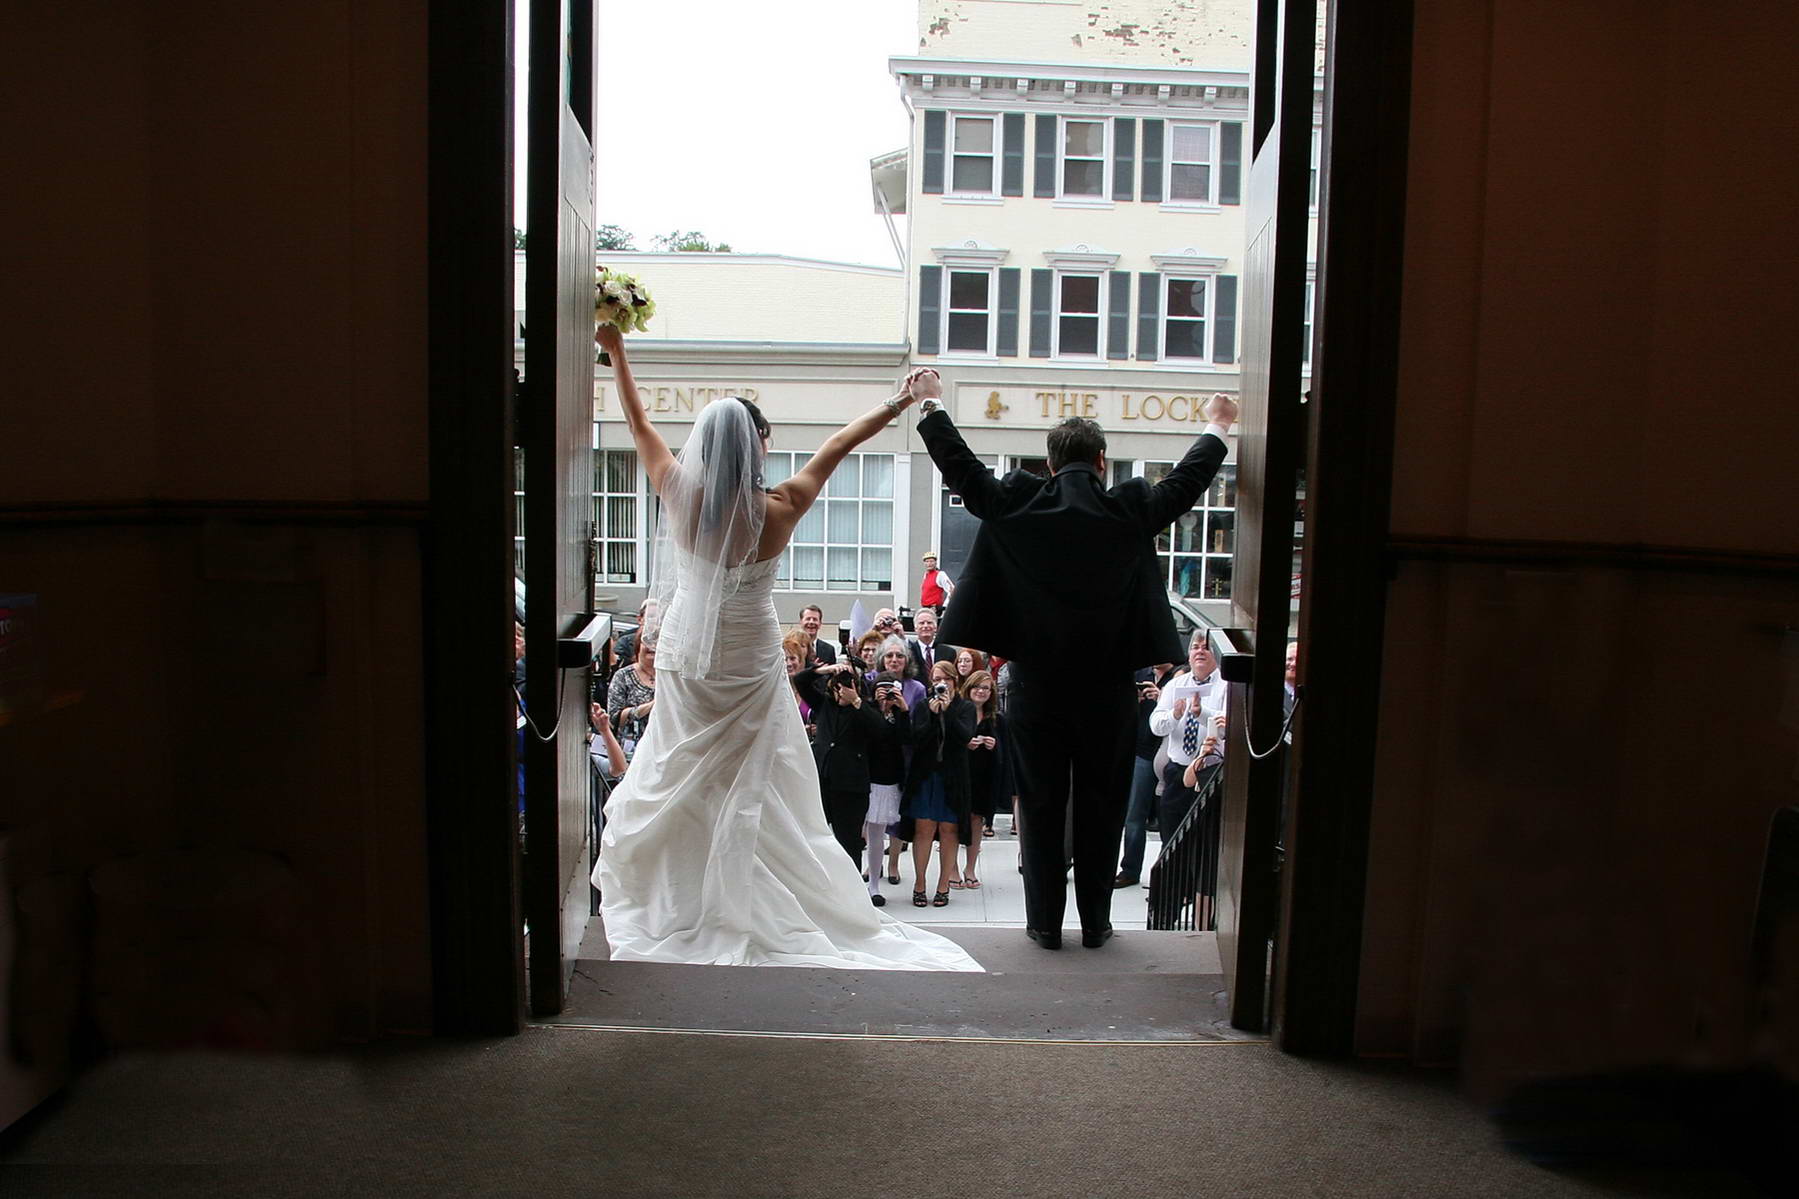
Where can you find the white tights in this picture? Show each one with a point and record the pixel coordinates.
(876, 836)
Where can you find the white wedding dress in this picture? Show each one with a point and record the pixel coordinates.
(716, 848)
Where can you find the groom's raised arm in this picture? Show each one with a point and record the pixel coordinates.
(963, 473)
(1181, 487)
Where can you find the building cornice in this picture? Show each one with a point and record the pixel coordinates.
(979, 255)
(1082, 257)
(1005, 73)
(625, 259)
(1187, 259)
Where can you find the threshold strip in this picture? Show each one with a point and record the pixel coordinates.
(883, 1036)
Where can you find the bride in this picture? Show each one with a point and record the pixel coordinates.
(716, 848)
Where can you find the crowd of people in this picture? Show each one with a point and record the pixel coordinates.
(909, 739)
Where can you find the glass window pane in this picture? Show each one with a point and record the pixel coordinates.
(1121, 470)
(842, 576)
(621, 470)
(808, 567)
(974, 135)
(877, 475)
(1080, 335)
(1224, 488)
(812, 525)
(621, 517)
(784, 572)
(1085, 178)
(1189, 182)
(1185, 339)
(1189, 575)
(1192, 143)
(1186, 297)
(972, 174)
(1218, 578)
(968, 289)
(1083, 139)
(968, 331)
(1221, 533)
(1189, 532)
(877, 522)
(845, 521)
(1080, 293)
(777, 468)
(846, 480)
(877, 570)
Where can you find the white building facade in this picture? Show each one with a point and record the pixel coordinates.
(1074, 237)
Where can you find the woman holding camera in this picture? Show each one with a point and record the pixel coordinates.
(985, 770)
(848, 725)
(937, 783)
(886, 780)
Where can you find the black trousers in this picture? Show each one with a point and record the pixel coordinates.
(1074, 745)
(844, 810)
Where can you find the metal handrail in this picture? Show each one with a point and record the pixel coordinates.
(1184, 880)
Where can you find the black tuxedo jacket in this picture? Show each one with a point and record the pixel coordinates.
(1064, 570)
(941, 651)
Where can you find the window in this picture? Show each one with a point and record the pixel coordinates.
(518, 511)
(615, 496)
(1305, 350)
(971, 155)
(1084, 159)
(967, 323)
(1317, 149)
(1077, 315)
(1186, 308)
(845, 540)
(1191, 173)
(1196, 549)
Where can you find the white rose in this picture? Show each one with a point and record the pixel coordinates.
(614, 292)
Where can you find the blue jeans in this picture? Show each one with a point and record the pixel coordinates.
(1136, 817)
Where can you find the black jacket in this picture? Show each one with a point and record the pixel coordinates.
(1064, 570)
(940, 746)
(845, 735)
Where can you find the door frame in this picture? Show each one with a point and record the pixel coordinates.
(471, 764)
(1349, 473)
(478, 977)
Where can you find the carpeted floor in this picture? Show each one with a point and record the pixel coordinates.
(559, 1111)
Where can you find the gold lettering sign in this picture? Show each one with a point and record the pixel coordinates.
(677, 398)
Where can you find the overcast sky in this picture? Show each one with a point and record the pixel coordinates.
(752, 124)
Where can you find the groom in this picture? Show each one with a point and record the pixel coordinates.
(1064, 583)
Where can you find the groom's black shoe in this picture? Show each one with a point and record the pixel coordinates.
(1094, 938)
(1045, 939)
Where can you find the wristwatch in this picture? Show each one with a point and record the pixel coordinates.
(926, 407)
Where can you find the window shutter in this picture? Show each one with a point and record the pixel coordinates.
(1118, 318)
(930, 308)
(1046, 155)
(1149, 312)
(1043, 284)
(1012, 155)
(1230, 150)
(1224, 320)
(1007, 342)
(1152, 162)
(1124, 157)
(933, 151)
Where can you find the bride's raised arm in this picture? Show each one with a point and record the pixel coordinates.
(652, 451)
(803, 487)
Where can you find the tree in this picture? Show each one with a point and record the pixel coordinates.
(613, 237)
(691, 241)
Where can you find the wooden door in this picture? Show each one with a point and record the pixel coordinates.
(557, 434)
(1268, 456)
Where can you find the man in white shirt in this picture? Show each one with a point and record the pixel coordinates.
(1189, 711)
(926, 651)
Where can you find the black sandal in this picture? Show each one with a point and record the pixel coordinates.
(894, 880)
(918, 899)
(939, 900)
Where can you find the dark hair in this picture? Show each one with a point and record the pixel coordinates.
(1076, 439)
(813, 608)
(756, 417)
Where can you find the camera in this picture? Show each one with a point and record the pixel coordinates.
(940, 690)
(843, 678)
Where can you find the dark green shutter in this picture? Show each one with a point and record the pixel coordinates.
(1043, 283)
(1118, 316)
(1007, 344)
(1046, 156)
(930, 308)
(1152, 162)
(933, 151)
(1149, 312)
(1224, 318)
(1124, 157)
(1230, 176)
(1011, 172)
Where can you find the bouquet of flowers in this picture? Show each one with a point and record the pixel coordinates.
(621, 300)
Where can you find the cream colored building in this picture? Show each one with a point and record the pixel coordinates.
(1070, 209)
